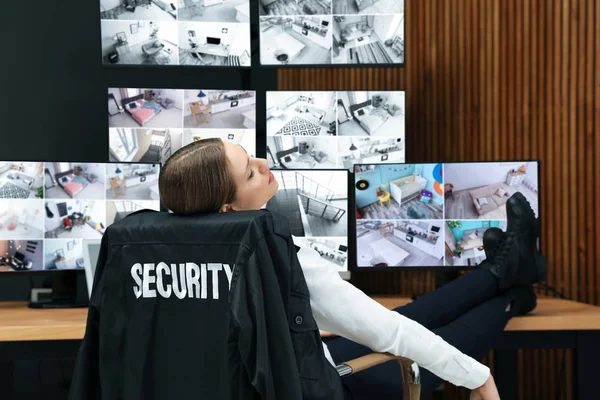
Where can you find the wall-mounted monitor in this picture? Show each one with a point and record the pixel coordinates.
(434, 215)
(47, 209)
(197, 33)
(331, 32)
(334, 130)
(316, 205)
(151, 124)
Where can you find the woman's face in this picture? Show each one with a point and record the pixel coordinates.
(255, 183)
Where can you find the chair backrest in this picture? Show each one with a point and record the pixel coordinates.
(171, 275)
(185, 306)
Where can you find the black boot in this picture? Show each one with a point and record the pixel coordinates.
(505, 262)
(523, 224)
(523, 298)
(491, 239)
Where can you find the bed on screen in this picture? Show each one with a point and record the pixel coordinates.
(370, 118)
(389, 252)
(72, 184)
(141, 111)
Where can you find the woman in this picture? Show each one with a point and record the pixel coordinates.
(444, 332)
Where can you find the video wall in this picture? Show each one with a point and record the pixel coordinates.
(335, 130)
(434, 215)
(148, 125)
(316, 206)
(342, 32)
(198, 33)
(47, 209)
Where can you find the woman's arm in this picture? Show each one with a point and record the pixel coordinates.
(342, 309)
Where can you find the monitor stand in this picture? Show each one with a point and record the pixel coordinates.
(64, 292)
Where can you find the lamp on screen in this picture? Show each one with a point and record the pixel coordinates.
(202, 96)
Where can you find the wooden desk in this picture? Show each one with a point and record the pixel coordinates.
(21, 323)
(554, 324)
(39, 333)
(549, 315)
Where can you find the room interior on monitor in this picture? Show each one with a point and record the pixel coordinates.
(129, 42)
(301, 113)
(464, 241)
(243, 137)
(214, 10)
(333, 250)
(399, 243)
(480, 190)
(52, 206)
(143, 145)
(147, 125)
(219, 109)
(429, 215)
(145, 108)
(21, 180)
(304, 7)
(304, 129)
(399, 191)
(21, 255)
(132, 181)
(143, 10)
(295, 40)
(314, 202)
(74, 180)
(368, 39)
(374, 114)
(214, 44)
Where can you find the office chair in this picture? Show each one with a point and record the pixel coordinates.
(217, 302)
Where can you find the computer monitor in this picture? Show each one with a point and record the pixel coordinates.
(331, 32)
(315, 203)
(149, 125)
(334, 130)
(434, 214)
(91, 252)
(173, 33)
(48, 208)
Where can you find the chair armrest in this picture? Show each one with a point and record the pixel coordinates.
(411, 378)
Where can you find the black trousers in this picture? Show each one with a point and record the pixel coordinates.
(468, 313)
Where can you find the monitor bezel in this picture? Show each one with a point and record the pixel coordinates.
(352, 239)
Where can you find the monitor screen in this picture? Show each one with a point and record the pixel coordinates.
(91, 252)
(151, 124)
(334, 130)
(316, 205)
(434, 215)
(171, 33)
(47, 209)
(338, 32)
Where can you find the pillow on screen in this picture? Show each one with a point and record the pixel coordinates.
(482, 201)
(132, 105)
(64, 179)
(361, 112)
(500, 192)
(473, 236)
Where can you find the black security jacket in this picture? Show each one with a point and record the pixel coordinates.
(207, 307)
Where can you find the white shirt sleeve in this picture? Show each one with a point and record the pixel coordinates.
(340, 308)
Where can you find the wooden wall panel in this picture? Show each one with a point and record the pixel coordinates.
(503, 79)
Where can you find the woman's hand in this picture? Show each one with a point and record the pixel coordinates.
(327, 334)
(488, 391)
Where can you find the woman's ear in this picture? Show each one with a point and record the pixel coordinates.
(226, 208)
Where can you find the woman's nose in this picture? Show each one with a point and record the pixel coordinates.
(264, 166)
